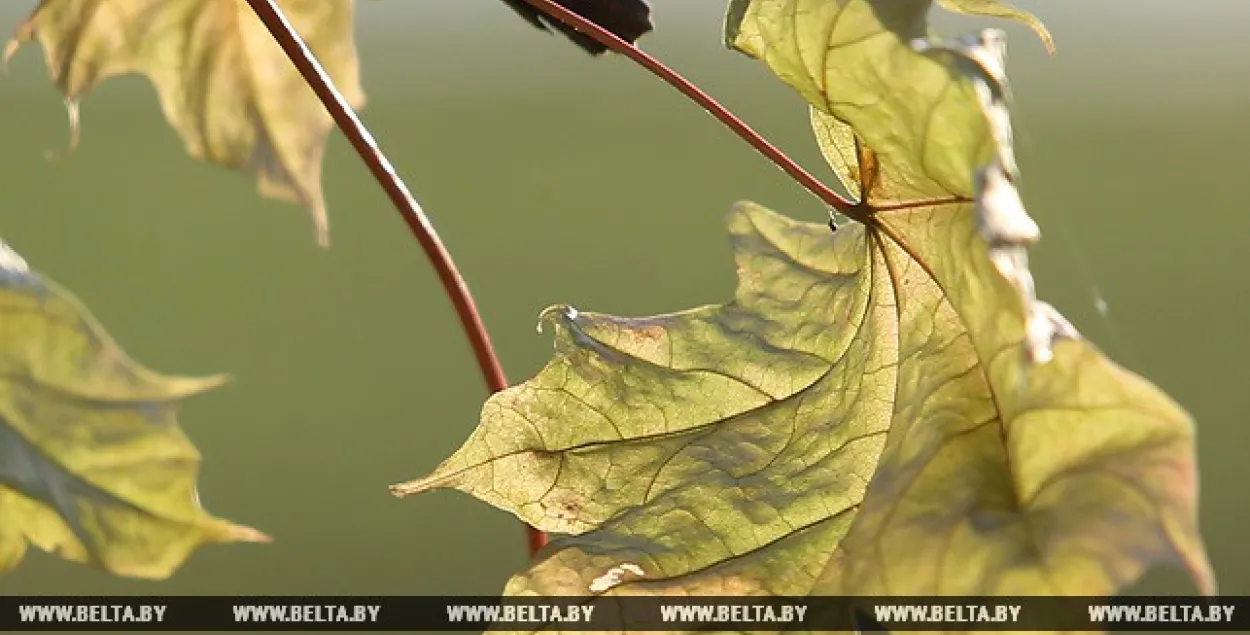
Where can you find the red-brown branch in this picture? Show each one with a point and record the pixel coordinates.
(695, 94)
(345, 116)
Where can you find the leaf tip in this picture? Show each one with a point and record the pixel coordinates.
(734, 16)
(10, 49)
(1040, 30)
(321, 223)
(443, 477)
(72, 114)
(1206, 581)
(11, 261)
(555, 315)
(1193, 559)
(198, 385)
(231, 532)
(1044, 35)
(20, 35)
(407, 488)
(997, 9)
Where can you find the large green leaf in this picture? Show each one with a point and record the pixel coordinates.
(855, 60)
(224, 85)
(92, 462)
(729, 449)
(884, 409)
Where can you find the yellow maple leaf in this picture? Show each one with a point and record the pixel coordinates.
(224, 84)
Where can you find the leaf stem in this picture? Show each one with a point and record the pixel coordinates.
(713, 107)
(403, 200)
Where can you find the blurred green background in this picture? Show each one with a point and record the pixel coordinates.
(557, 178)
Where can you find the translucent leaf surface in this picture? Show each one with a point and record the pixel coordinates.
(886, 409)
(93, 465)
(730, 449)
(224, 85)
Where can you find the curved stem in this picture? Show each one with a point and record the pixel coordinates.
(713, 107)
(343, 114)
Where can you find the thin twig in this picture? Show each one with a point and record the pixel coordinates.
(343, 114)
(713, 107)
